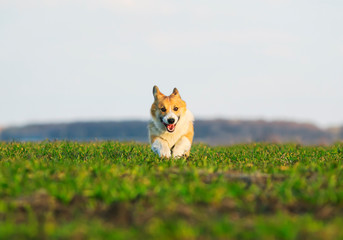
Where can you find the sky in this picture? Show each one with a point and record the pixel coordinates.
(79, 60)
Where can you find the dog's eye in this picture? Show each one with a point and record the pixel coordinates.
(176, 108)
(163, 109)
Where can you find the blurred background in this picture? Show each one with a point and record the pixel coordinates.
(268, 70)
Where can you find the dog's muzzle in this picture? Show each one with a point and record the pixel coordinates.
(171, 123)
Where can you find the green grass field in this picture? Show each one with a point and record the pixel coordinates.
(111, 190)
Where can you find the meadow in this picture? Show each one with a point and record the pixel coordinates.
(112, 190)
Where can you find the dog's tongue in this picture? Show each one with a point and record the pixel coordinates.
(170, 127)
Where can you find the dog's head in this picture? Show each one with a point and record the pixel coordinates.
(167, 110)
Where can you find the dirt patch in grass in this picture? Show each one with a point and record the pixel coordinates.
(139, 211)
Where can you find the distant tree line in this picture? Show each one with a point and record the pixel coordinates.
(214, 132)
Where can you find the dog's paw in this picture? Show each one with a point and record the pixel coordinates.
(181, 148)
(165, 153)
(162, 152)
(177, 153)
(161, 149)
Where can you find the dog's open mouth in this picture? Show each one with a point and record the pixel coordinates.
(170, 127)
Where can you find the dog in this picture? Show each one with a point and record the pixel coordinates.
(171, 128)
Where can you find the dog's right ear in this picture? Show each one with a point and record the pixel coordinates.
(156, 92)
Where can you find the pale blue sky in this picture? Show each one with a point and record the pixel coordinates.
(66, 60)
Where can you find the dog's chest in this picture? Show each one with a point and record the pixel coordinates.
(172, 138)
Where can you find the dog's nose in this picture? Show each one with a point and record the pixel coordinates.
(171, 120)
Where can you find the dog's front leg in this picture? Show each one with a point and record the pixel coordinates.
(182, 147)
(161, 148)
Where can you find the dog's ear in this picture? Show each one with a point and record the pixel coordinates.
(156, 92)
(176, 92)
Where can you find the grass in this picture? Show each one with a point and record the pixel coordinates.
(111, 190)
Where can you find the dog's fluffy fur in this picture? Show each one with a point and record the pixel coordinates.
(171, 127)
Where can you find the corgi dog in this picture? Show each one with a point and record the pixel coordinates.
(171, 128)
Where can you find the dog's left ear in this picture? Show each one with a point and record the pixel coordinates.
(176, 92)
(156, 92)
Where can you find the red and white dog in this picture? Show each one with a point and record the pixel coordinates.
(171, 127)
